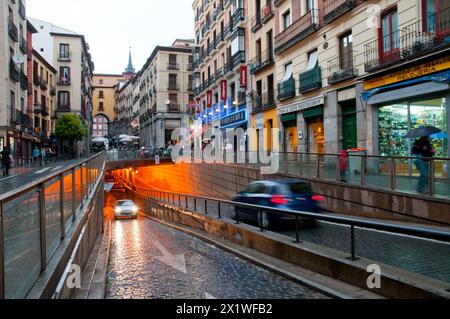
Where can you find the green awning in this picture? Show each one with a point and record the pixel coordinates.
(289, 117)
(317, 111)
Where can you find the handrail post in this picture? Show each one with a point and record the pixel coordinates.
(206, 207)
(300, 166)
(81, 185)
(432, 177)
(61, 205)
(363, 170)
(42, 226)
(338, 169)
(297, 233)
(353, 244)
(393, 174)
(318, 166)
(219, 210)
(2, 255)
(261, 222)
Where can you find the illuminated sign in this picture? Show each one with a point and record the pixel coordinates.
(223, 90)
(235, 118)
(409, 73)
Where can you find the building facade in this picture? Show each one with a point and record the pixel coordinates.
(43, 94)
(154, 102)
(220, 57)
(15, 131)
(103, 103)
(69, 54)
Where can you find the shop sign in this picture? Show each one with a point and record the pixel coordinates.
(244, 80)
(234, 118)
(223, 90)
(409, 73)
(320, 100)
(259, 121)
(209, 99)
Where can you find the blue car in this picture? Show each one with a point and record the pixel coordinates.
(290, 194)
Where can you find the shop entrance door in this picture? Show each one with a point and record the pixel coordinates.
(316, 136)
(290, 137)
(349, 128)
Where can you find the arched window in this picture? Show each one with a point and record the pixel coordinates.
(101, 126)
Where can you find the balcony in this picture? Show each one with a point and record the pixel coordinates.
(174, 107)
(12, 30)
(45, 111)
(311, 80)
(63, 108)
(267, 12)
(64, 82)
(190, 67)
(238, 58)
(37, 108)
(52, 90)
(380, 54)
(268, 100)
(36, 79)
(173, 87)
(22, 12)
(426, 35)
(256, 22)
(173, 66)
(333, 9)
(342, 68)
(44, 85)
(23, 81)
(24, 46)
(257, 103)
(299, 30)
(14, 74)
(261, 61)
(238, 17)
(286, 89)
(26, 121)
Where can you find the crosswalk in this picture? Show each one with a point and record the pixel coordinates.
(44, 170)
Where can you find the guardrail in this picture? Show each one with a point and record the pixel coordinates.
(35, 219)
(184, 201)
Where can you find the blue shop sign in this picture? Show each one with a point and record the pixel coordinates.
(234, 119)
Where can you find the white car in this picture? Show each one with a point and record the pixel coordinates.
(126, 209)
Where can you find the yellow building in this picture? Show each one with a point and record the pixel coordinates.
(262, 68)
(44, 97)
(103, 101)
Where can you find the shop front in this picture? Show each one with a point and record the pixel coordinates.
(265, 123)
(303, 126)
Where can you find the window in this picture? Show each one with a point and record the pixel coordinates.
(63, 99)
(346, 51)
(100, 82)
(101, 107)
(389, 34)
(64, 53)
(436, 16)
(286, 20)
(64, 74)
(288, 72)
(100, 126)
(101, 95)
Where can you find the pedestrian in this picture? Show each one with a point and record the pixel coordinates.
(6, 161)
(423, 151)
(48, 155)
(36, 154)
(343, 166)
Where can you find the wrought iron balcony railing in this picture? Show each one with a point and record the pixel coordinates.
(333, 9)
(311, 80)
(262, 60)
(382, 52)
(286, 89)
(173, 66)
(342, 68)
(12, 30)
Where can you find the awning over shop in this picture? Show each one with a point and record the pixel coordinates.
(289, 117)
(443, 78)
(317, 111)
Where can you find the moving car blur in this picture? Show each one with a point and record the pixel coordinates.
(289, 194)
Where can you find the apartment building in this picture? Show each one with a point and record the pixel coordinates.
(103, 103)
(14, 108)
(154, 102)
(68, 53)
(334, 56)
(261, 66)
(220, 57)
(43, 94)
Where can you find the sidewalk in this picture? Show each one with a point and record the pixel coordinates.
(16, 172)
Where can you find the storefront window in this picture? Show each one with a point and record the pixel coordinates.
(396, 120)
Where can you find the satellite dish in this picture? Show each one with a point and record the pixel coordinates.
(167, 102)
(18, 59)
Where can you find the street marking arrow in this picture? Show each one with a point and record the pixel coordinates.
(177, 262)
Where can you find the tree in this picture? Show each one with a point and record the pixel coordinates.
(69, 128)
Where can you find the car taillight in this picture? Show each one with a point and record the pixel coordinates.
(318, 198)
(278, 200)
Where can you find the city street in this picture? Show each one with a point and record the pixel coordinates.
(149, 260)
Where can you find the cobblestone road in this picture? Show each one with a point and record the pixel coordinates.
(151, 261)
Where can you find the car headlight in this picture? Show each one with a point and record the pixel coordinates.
(118, 210)
(135, 209)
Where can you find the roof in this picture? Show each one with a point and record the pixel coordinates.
(54, 28)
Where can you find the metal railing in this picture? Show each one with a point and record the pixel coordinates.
(220, 208)
(35, 219)
(342, 68)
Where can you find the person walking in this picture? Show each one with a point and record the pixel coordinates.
(36, 155)
(343, 166)
(423, 151)
(48, 155)
(6, 161)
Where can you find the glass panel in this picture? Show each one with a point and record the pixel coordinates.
(53, 216)
(328, 168)
(378, 172)
(442, 178)
(78, 195)
(393, 126)
(385, 34)
(21, 244)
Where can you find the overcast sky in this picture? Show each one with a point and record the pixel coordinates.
(112, 26)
